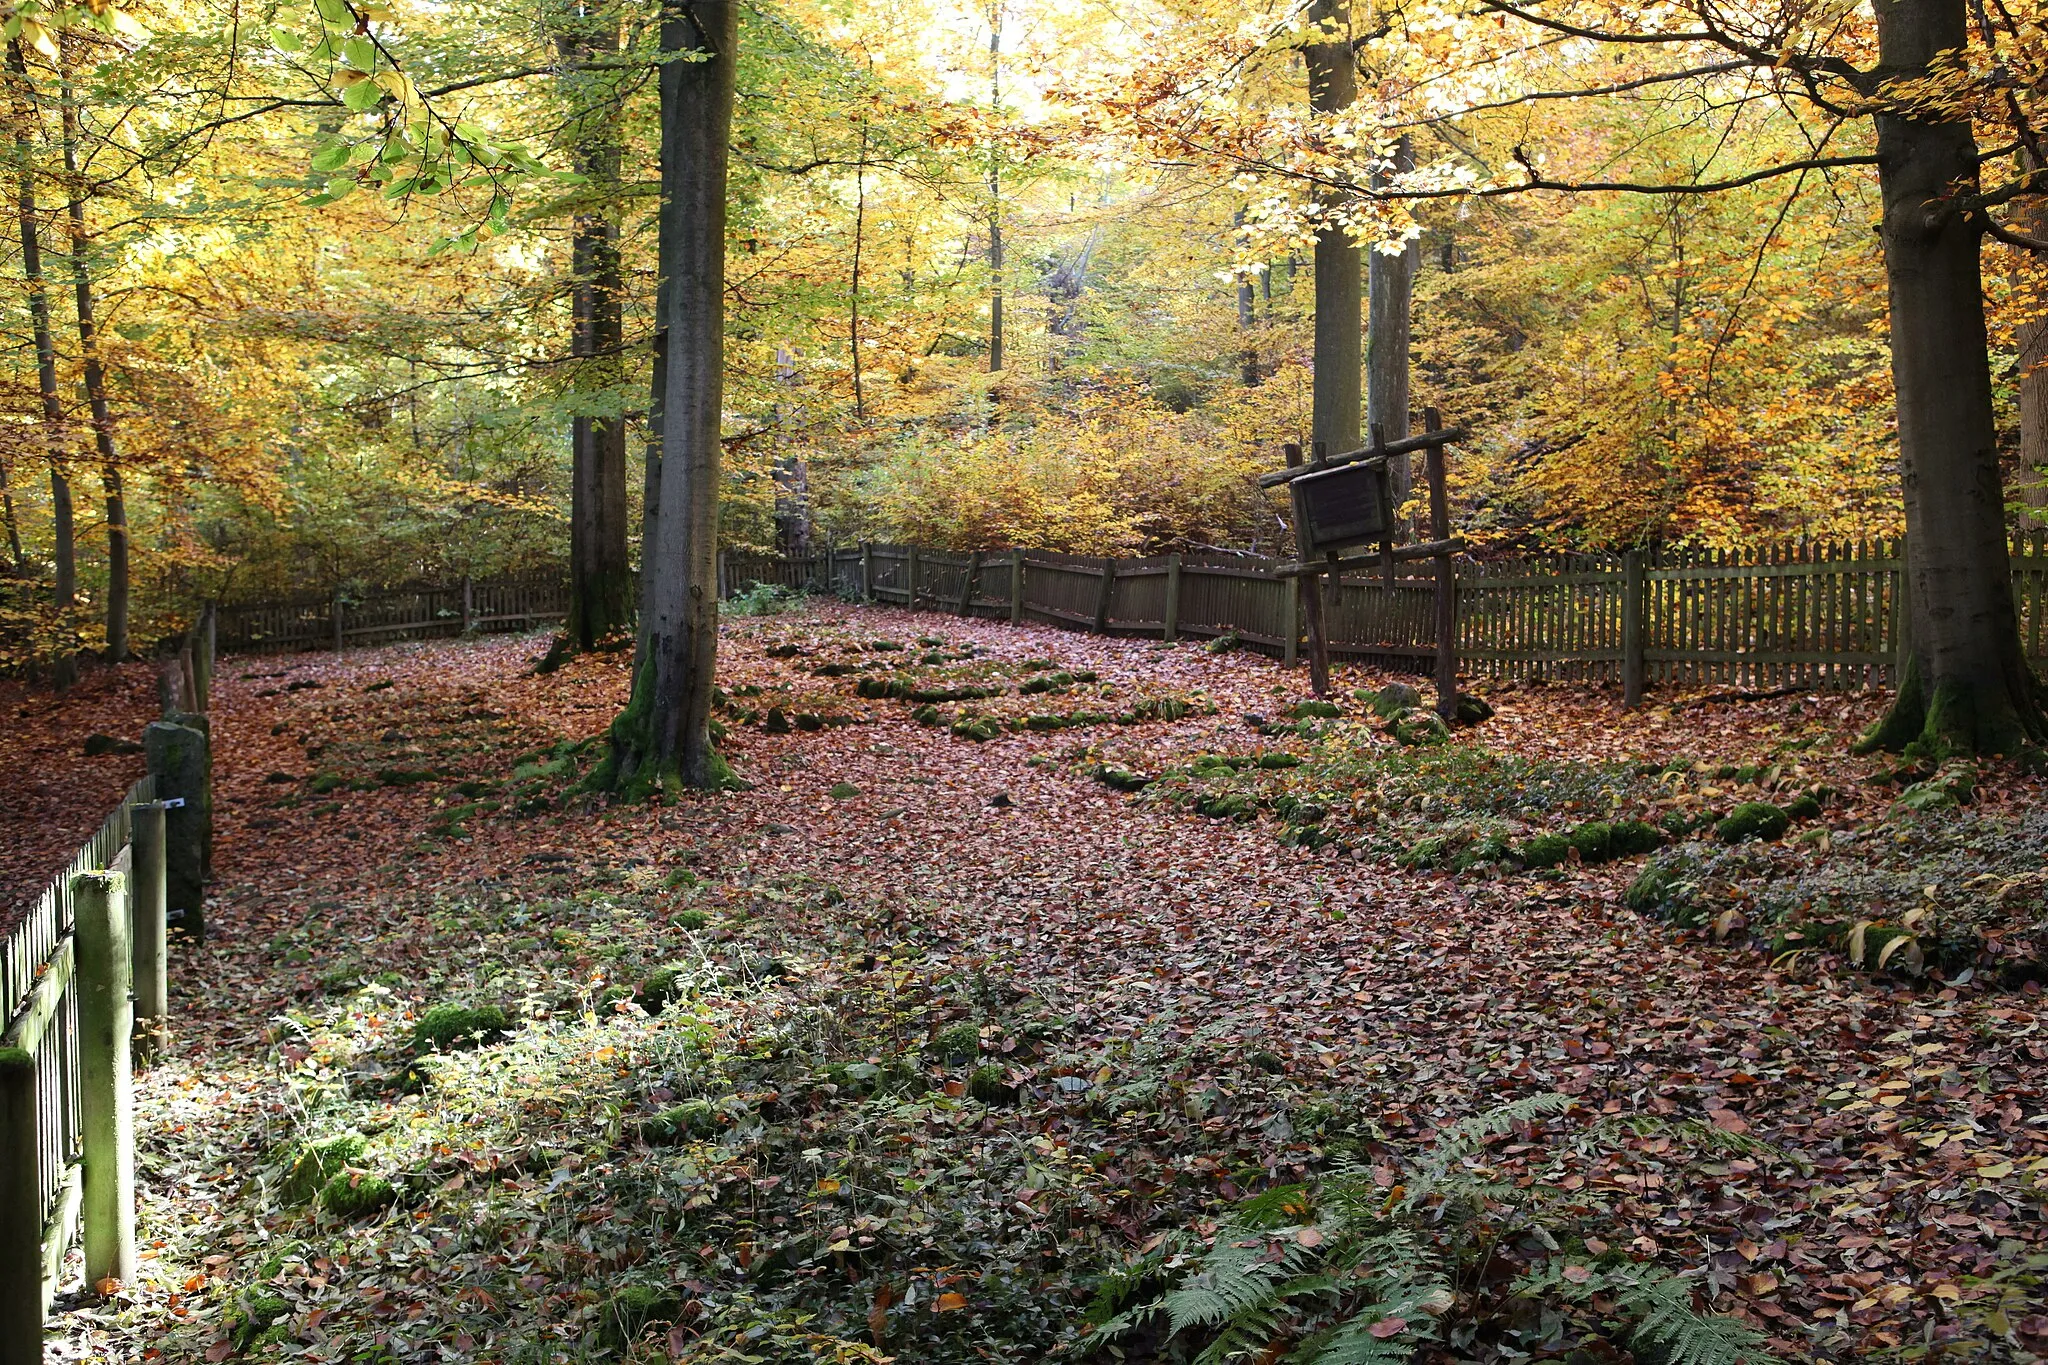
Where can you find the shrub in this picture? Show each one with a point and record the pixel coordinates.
(692, 1119)
(448, 1027)
(761, 599)
(1752, 820)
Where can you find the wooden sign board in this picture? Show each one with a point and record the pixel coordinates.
(1335, 509)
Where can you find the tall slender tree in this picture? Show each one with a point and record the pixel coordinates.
(93, 365)
(600, 575)
(662, 740)
(1390, 308)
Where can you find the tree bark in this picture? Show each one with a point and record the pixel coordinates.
(662, 739)
(1965, 685)
(1332, 85)
(95, 377)
(1248, 356)
(995, 196)
(2033, 384)
(63, 529)
(601, 588)
(1390, 325)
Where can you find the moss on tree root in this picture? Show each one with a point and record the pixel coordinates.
(1956, 719)
(631, 769)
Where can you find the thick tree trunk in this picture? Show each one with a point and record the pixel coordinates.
(601, 586)
(1332, 85)
(663, 738)
(1389, 325)
(64, 533)
(1966, 685)
(96, 381)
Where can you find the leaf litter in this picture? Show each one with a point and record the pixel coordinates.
(900, 1074)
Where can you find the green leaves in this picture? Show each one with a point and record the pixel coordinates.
(362, 96)
(360, 52)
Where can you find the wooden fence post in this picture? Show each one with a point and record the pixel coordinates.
(910, 575)
(867, 572)
(1102, 598)
(1290, 624)
(337, 620)
(1446, 576)
(21, 1214)
(968, 583)
(1016, 587)
(1632, 592)
(204, 639)
(106, 1099)
(147, 898)
(176, 754)
(1170, 627)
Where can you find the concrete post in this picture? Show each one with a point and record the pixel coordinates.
(176, 752)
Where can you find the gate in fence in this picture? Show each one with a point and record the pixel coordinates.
(80, 979)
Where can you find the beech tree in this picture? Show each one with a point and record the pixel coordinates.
(662, 739)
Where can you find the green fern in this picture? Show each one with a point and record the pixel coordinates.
(1349, 1272)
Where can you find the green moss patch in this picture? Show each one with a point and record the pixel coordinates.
(449, 1027)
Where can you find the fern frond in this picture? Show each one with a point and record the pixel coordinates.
(1657, 1310)
(1466, 1136)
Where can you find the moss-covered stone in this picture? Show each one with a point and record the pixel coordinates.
(1315, 710)
(1227, 806)
(980, 729)
(632, 1310)
(1433, 852)
(1544, 850)
(450, 1026)
(254, 1319)
(311, 1165)
(1804, 807)
(1279, 759)
(662, 988)
(988, 1086)
(404, 777)
(352, 1194)
(691, 1121)
(843, 791)
(325, 782)
(959, 1043)
(1418, 725)
(927, 715)
(1123, 779)
(691, 919)
(1752, 820)
(1484, 852)
(1631, 837)
(1593, 841)
(1391, 700)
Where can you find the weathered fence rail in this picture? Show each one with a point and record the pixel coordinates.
(79, 978)
(1810, 614)
(1800, 615)
(411, 612)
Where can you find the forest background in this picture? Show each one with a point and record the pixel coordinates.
(975, 298)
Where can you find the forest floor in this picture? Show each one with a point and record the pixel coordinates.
(894, 1053)
(56, 794)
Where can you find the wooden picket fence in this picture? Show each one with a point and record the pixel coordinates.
(79, 977)
(1807, 614)
(1811, 614)
(409, 612)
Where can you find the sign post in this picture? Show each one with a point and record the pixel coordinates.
(1345, 502)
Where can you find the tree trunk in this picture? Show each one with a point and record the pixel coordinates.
(1392, 299)
(95, 378)
(1965, 684)
(995, 196)
(2033, 383)
(1332, 85)
(601, 589)
(1248, 356)
(63, 532)
(662, 739)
